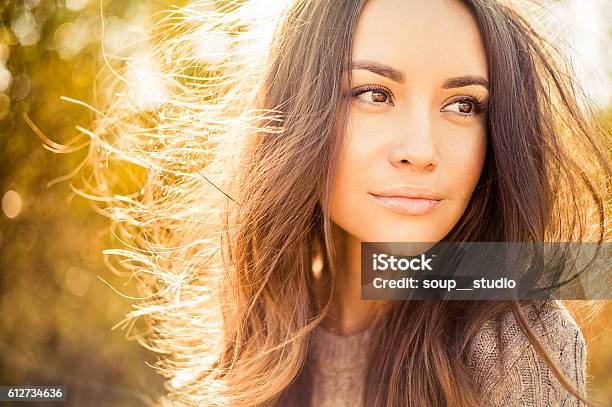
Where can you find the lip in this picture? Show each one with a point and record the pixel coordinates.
(408, 200)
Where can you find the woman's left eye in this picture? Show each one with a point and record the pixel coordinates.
(466, 107)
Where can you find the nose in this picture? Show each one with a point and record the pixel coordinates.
(414, 146)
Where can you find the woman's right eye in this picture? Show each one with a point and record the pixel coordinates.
(373, 95)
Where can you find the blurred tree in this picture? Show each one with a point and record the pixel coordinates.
(56, 313)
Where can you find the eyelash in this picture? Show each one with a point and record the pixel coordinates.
(479, 104)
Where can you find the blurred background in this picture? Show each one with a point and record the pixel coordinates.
(56, 311)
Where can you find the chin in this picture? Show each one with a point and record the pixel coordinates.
(382, 226)
(412, 229)
(410, 234)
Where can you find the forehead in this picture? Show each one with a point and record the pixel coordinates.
(432, 39)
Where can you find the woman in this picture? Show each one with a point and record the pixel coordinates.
(385, 120)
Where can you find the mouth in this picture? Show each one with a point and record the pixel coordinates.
(408, 201)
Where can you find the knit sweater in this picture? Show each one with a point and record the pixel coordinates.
(339, 363)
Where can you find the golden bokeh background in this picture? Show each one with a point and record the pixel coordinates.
(56, 311)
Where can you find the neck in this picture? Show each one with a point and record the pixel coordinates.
(349, 313)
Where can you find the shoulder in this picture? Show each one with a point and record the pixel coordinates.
(525, 378)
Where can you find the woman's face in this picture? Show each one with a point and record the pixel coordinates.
(416, 138)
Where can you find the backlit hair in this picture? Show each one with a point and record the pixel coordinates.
(213, 153)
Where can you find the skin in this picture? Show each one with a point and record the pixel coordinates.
(422, 130)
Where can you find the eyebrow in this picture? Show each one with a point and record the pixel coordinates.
(380, 69)
(399, 77)
(466, 80)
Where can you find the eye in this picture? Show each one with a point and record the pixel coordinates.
(465, 106)
(373, 94)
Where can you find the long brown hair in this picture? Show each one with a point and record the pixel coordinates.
(526, 171)
(228, 294)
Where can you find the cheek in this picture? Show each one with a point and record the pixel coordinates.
(355, 165)
(462, 163)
